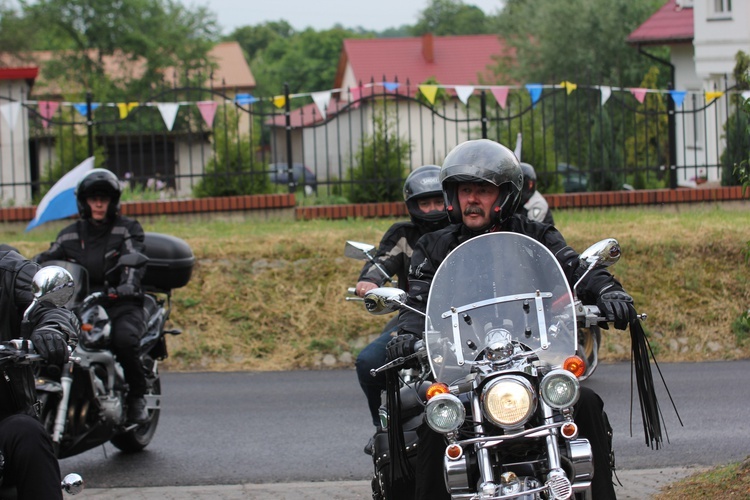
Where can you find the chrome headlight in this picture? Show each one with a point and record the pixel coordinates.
(560, 389)
(508, 401)
(444, 413)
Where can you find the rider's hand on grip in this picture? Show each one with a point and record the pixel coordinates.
(401, 346)
(125, 291)
(617, 306)
(50, 345)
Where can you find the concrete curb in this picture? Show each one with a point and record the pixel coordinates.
(637, 484)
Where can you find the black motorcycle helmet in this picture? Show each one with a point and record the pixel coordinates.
(102, 182)
(529, 182)
(424, 182)
(482, 160)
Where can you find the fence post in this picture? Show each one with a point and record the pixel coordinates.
(483, 108)
(288, 123)
(89, 124)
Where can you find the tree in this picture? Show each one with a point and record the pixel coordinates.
(152, 35)
(253, 39)
(451, 17)
(307, 61)
(575, 40)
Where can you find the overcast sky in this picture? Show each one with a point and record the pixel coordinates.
(323, 14)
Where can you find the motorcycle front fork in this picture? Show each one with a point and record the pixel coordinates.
(66, 380)
(487, 481)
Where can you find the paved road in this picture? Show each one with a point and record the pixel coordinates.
(237, 435)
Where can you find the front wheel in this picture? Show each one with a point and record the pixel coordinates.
(140, 437)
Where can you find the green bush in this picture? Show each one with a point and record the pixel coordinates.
(233, 170)
(381, 162)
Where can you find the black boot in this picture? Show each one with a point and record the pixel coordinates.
(137, 413)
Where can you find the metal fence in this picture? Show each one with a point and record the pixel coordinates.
(359, 146)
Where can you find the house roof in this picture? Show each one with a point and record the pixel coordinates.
(671, 24)
(232, 72)
(451, 60)
(28, 73)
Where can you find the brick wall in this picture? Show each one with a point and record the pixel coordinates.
(282, 203)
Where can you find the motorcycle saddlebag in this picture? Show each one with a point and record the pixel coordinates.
(170, 262)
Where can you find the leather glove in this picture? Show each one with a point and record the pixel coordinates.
(50, 345)
(400, 346)
(617, 306)
(126, 291)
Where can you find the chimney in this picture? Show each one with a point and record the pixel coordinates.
(428, 51)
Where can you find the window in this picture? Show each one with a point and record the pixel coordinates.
(720, 9)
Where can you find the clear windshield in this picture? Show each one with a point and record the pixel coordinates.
(494, 287)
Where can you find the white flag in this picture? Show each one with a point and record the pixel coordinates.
(168, 112)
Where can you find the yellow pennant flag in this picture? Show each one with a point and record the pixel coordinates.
(279, 101)
(710, 96)
(429, 92)
(125, 108)
(568, 86)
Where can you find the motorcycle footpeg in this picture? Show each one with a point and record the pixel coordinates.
(175, 331)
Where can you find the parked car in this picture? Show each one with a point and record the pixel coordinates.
(573, 179)
(301, 175)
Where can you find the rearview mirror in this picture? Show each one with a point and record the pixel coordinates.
(601, 254)
(357, 250)
(384, 300)
(53, 284)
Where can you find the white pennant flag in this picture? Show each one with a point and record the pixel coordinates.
(464, 92)
(10, 112)
(168, 112)
(321, 100)
(606, 92)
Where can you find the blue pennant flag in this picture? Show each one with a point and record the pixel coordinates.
(81, 107)
(535, 91)
(678, 96)
(60, 200)
(243, 99)
(390, 86)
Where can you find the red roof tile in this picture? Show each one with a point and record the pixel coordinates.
(456, 60)
(669, 25)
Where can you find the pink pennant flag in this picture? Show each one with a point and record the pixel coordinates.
(501, 95)
(208, 111)
(47, 109)
(639, 94)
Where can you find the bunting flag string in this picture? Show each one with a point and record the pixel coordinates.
(322, 99)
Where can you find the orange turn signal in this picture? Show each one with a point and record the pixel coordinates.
(435, 389)
(454, 451)
(569, 430)
(574, 365)
(87, 327)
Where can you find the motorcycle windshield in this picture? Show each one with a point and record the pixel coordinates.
(490, 290)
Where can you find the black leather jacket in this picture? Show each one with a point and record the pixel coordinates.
(98, 248)
(394, 254)
(432, 249)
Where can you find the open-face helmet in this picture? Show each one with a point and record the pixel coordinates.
(424, 182)
(98, 182)
(482, 160)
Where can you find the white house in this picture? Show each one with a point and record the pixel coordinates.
(370, 67)
(15, 176)
(703, 36)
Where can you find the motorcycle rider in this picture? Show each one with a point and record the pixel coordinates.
(533, 205)
(29, 460)
(482, 183)
(96, 241)
(423, 196)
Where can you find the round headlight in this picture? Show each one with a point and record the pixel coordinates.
(444, 413)
(560, 389)
(508, 401)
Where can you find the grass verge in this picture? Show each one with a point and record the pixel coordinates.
(727, 481)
